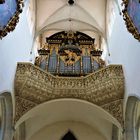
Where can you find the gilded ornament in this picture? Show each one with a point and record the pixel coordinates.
(104, 88)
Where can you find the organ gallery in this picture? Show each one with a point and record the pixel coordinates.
(69, 54)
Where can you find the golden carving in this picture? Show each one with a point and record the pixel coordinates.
(104, 88)
(71, 57)
(24, 106)
(129, 23)
(13, 21)
(70, 54)
(115, 109)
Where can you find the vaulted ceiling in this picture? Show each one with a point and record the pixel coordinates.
(88, 16)
(83, 15)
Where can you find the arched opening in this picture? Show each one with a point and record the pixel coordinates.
(69, 136)
(62, 115)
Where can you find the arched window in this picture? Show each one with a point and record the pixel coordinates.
(69, 136)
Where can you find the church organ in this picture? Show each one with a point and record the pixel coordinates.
(69, 54)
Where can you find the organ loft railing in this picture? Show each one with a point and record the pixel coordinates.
(69, 54)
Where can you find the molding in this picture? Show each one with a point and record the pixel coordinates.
(104, 88)
(7, 116)
(115, 133)
(130, 115)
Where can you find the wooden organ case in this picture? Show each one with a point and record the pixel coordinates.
(69, 54)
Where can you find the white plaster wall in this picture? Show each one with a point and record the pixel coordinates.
(15, 47)
(125, 50)
(56, 131)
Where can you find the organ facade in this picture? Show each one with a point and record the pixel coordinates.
(69, 54)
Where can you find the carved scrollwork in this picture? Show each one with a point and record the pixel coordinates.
(104, 88)
(22, 106)
(115, 109)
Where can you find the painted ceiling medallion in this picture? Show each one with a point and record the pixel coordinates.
(132, 17)
(9, 15)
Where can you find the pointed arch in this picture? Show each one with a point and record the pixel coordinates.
(69, 136)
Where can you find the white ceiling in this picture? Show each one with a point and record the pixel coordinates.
(84, 15)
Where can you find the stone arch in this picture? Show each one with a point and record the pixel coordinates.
(69, 136)
(48, 107)
(61, 110)
(132, 118)
(6, 112)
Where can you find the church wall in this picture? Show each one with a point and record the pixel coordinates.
(124, 49)
(57, 130)
(15, 47)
